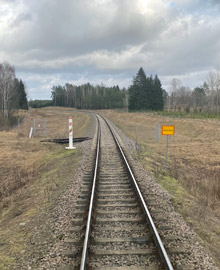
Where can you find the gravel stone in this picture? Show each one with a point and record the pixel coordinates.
(60, 224)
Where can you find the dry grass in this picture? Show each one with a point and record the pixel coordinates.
(194, 151)
(32, 175)
(194, 160)
(21, 158)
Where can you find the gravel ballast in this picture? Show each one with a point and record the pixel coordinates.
(60, 222)
(198, 256)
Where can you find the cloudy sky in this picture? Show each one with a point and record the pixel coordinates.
(52, 42)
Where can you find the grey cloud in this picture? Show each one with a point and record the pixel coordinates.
(112, 38)
(21, 18)
(8, 1)
(196, 6)
(71, 29)
(216, 2)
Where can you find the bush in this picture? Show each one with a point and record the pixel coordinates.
(40, 103)
(8, 122)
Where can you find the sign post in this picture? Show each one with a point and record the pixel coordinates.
(168, 131)
(70, 134)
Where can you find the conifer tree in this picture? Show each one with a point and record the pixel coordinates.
(23, 103)
(145, 93)
(157, 95)
(138, 92)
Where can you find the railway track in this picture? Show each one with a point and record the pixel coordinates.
(120, 233)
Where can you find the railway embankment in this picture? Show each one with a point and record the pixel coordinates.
(193, 163)
(35, 237)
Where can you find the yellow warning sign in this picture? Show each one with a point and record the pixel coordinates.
(168, 130)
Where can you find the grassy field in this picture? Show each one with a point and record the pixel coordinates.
(192, 177)
(32, 175)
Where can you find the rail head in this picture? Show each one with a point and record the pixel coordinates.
(158, 241)
(88, 225)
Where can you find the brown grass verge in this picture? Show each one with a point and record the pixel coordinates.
(32, 175)
(192, 177)
(22, 159)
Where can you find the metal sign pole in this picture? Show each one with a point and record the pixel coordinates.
(34, 131)
(157, 133)
(168, 131)
(166, 152)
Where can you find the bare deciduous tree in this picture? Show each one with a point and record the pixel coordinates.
(213, 83)
(172, 100)
(7, 81)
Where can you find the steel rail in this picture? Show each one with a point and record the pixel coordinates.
(158, 241)
(88, 225)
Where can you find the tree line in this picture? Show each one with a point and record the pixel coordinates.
(87, 96)
(205, 98)
(12, 91)
(145, 93)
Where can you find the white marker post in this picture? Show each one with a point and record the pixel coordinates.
(70, 134)
(31, 131)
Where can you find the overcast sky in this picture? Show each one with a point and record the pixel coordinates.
(52, 42)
